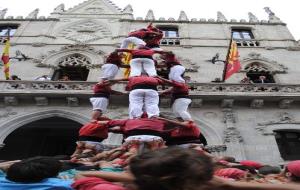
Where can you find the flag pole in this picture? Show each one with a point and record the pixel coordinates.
(226, 61)
(8, 41)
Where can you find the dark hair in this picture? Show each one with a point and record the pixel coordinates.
(171, 169)
(33, 170)
(265, 170)
(229, 159)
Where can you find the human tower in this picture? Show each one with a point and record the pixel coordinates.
(144, 129)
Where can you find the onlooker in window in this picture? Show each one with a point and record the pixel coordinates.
(43, 78)
(262, 79)
(14, 77)
(64, 78)
(246, 80)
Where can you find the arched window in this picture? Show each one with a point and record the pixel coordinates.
(288, 142)
(255, 71)
(73, 67)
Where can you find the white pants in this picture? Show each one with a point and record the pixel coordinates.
(157, 49)
(176, 73)
(138, 65)
(143, 98)
(109, 71)
(180, 107)
(99, 103)
(136, 41)
(143, 138)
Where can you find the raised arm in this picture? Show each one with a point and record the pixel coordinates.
(124, 50)
(178, 123)
(109, 176)
(165, 80)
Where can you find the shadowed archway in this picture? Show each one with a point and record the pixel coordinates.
(46, 137)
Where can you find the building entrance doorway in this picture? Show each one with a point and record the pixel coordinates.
(46, 137)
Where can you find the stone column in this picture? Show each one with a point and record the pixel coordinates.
(232, 137)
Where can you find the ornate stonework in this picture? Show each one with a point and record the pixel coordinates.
(10, 101)
(283, 118)
(257, 103)
(221, 17)
(252, 18)
(85, 31)
(231, 133)
(269, 64)
(33, 14)
(7, 112)
(82, 54)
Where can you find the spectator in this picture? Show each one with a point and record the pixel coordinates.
(64, 78)
(14, 77)
(262, 79)
(43, 78)
(292, 171)
(34, 173)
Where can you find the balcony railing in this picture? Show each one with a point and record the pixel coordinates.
(247, 43)
(170, 41)
(7, 86)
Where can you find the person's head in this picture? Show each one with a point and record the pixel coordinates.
(292, 171)
(171, 168)
(65, 77)
(33, 170)
(266, 170)
(15, 77)
(228, 159)
(262, 77)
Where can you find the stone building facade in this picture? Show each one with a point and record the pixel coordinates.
(255, 121)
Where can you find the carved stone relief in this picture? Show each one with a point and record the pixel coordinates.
(231, 133)
(270, 65)
(79, 53)
(10, 101)
(85, 31)
(7, 112)
(257, 103)
(283, 118)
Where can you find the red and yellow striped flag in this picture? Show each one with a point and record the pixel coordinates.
(233, 64)
(126, 61)
(5, 59)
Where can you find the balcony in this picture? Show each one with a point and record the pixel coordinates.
(205, 91)
(170, 42)
(247, 43)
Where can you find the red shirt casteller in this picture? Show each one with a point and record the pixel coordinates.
(101, 88)
(132, 81)
(93, 129)
(139, 124)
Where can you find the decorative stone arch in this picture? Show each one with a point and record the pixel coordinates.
(272, 66)
(209, 132)
(13, 124)
(95, 59)
(84, 31)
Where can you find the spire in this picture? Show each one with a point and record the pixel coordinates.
(60, 8)
(183, 16)
(33, 14)
(252, 17)
(150, 15)
(272, 17)
(2, 13)
(128, 9)
(221, 17)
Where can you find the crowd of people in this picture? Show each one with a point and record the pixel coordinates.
(158, 152)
